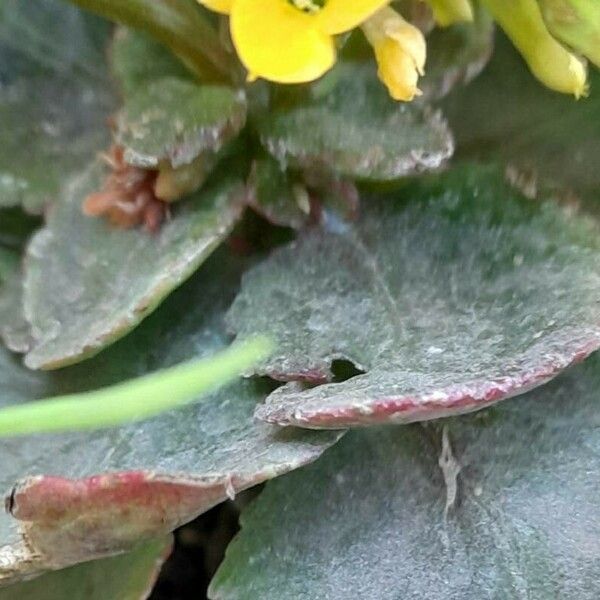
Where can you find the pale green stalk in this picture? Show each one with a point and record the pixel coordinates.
(135, 399)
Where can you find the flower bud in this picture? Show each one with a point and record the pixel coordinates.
(400, 51)
(448, 12)
(553, 64)
(576, 23)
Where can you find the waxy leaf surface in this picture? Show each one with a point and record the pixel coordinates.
(77, 496)
(450, 294)
(55, 98)
(501, 504)
(124, 577)
(87, 283)
(350, 126)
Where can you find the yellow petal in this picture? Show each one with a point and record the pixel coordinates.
(278, 42)
(400, 50)
(220, 6)
(338, 16)
(397, 71)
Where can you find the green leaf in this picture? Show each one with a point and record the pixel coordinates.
(456, 55)
(137, 481)
(125, 577)
(352, 127)
(502, 504)
(175, 120)
(506, 115)
(54, 99)
(9, 260)
(136, 60)
(87, 284)
(15, 227)
(15, 330)
(271, 194)
(450, 294)
(178, 24)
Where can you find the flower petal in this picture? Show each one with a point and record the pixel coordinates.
(338, 16)
(278, 42)
(220, 6)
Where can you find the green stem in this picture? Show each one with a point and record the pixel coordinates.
(178, 24)
(136, 399)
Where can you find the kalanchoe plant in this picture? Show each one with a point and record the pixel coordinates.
(389, 210)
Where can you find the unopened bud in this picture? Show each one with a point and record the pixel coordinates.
(576, 23)
(553, 64)
(400, 51)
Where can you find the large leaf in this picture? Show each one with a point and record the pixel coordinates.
(502, 504)
(451, 294)
(87, 284)
(124, 577)
(352, 127)
(507, 114)
(84, 495)
(54, 98)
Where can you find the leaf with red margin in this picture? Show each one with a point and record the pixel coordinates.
(128, 576)
(450, 294)
(500, 504)
(86, 495)
(87, 284)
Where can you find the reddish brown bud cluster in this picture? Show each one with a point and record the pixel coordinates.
(127, 198)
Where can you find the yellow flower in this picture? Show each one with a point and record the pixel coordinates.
(290, 41)
(400, 51)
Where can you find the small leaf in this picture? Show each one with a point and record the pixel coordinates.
(502, 504)
(124, 577)
(176, 120)
(355, 129)
(137, 59)
(271, 194)
(54, 99)
(81, 495)
(450, 294)
(87, 284)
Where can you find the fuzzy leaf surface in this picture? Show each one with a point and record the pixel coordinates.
(451, 293)
(352, 127)
(126, 577)
(175, 120)
(87, 283)
(80, 496)
(54, 98)
(501, 504)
